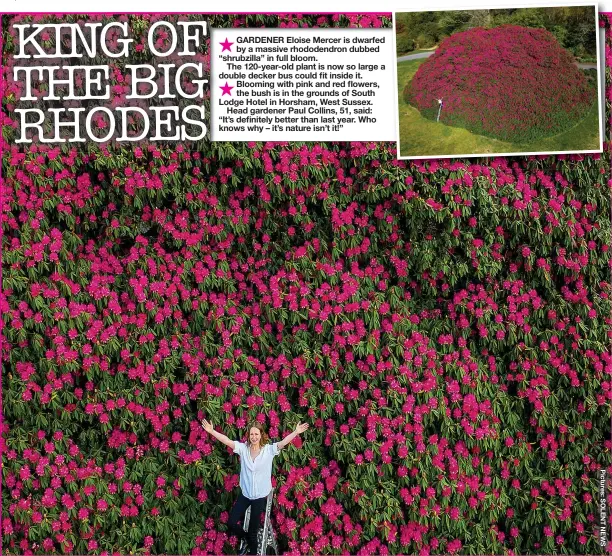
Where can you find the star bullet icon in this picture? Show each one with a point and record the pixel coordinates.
(227, 90)
(226, 45)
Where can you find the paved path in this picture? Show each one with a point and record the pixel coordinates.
(415, 56)
(428, 54)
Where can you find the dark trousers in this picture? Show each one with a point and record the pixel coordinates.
(237, 512)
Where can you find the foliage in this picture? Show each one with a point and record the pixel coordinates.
(420, 136)
(444, 326)
(574, 27)
(512, 83)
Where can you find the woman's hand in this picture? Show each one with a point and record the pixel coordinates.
(299, 429)
(207, 426)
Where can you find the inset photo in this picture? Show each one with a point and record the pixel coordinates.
(498, 82)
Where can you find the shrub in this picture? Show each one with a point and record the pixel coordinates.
(512, 83)
(443, 325)
(404, 44)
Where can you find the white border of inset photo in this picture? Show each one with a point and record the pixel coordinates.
(600, 79)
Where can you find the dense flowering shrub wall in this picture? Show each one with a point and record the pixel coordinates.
(443, 325)
(510, 82)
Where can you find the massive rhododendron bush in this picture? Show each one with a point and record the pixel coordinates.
(512, 83)
(443, 326)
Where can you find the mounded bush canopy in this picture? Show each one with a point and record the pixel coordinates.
(513, 83)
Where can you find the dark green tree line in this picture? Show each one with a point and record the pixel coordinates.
(574, 27)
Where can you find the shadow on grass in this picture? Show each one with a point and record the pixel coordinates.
(422, 137)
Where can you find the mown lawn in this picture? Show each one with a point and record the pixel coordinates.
(422, 137)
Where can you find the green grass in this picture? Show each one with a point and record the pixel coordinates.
(422, 137)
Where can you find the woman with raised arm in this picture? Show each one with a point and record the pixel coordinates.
(256, 457)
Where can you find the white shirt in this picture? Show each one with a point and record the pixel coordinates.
(256, 475)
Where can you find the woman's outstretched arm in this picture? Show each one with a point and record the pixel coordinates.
(299, 429)
(221, 437)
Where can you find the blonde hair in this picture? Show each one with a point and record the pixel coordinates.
(259, 426)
